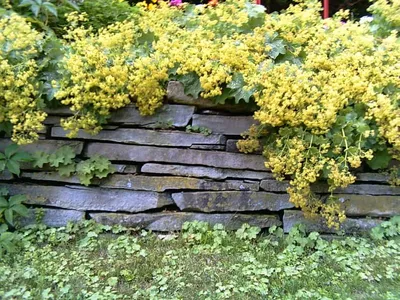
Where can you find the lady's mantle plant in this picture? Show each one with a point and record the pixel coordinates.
(327, 90)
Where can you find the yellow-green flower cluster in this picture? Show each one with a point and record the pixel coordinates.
(19, 99)
(338, 78)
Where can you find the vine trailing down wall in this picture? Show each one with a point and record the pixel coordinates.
(181, 164)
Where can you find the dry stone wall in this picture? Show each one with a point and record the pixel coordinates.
(166, 176)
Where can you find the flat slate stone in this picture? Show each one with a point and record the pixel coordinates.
(271, 185)
(135, 153)
(322, 188)
(83, 199)
(231, 201)
(208, 147)
(54, 217)
(229, 125)
(293, 217)
(231, 146)
(48, 146)
(52, 120)
(161, 184)
(369, 205)
(208, 172)
(172, 221)
(147, 137)
(174, 115)
(176, 94)
(51, 176)
(6, 175)
(372, 177)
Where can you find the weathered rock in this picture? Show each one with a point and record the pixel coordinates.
(372, 177)
(172, 221)
(49, 176)
(147, 137)
(54, 217)
(368, 205)
(172, 155)
(208, 172)
(131, 169)
(6, 175)
(322, 188)
(161, 184)
(96, 199)
(176, 94)
(52, 120)
(293, 217)
(231, 201)
(59, 111)
(48, 146)
(208, 147)
(274, 185)
(231, 146)
(173, 115)
(230, 125)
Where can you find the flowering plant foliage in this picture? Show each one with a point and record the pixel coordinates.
(327, 90)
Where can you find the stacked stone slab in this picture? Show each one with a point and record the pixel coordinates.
(166, 176)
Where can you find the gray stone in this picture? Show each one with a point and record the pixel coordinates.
(131, 169)
(294, 217)
(161, 184)
(173, 115)
(231, 146)
(51, 176)
(208, 147)
(274, 185)
(229, 125)
(368, 205)
(54, 217)
(377, 177)
(208, 172)
(60, 111)
(146, 137)
(48, 146)
(176, 94)
(231, 201)
(97, 199)
(6, 175)
(172, 221)
(322, 188)
(119, 168)
(52, 120)
(172, 155)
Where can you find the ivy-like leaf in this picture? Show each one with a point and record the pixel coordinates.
(66, 170)
(40, 158)
(11, 150)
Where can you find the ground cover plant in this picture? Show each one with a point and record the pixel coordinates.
(91, 261)
(327, 91)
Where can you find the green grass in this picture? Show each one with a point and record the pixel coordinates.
(89, 261)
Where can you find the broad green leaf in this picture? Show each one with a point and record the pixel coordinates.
(85, 179)
(191, 83)
(35, 9)
(22, 156)
(2, 156)
(8, 215)
(66, 170)
(21, 210)
(40, 158)
(380, 160)
(3, 202)
(16, 199)
(13, 167)
(67, 153)
(11, 150)
(2, 165)
(50, 7)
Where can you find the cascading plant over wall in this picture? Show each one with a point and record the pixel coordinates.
(327, 90)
